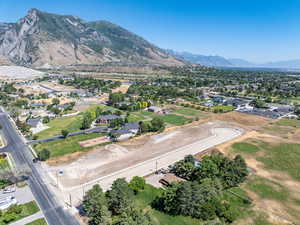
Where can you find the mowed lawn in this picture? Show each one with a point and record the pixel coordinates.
(28, 209)
(38, 222)
(188, 112)
(70, 123)
(170, 119)
(175, 119)
(67, 146)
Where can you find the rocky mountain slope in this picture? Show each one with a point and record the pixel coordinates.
(44, 39)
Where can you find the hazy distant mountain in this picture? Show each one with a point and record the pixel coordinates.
(241, 63)
(201, 59)
(292, 64)
(42, 38)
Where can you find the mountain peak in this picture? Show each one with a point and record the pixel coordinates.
(42, 38)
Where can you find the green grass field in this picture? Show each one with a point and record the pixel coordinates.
(136, 117)
(267, 189)
(188, 111)
(283, 157)
(289, 123)
(175, 119)
(28, 209)
(243, 147)
(38, 222)
(170, 119)
(66, 146)
(70, 123)
(225, 108)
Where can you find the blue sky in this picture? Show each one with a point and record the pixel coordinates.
(260, 31)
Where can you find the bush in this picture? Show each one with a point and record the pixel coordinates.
(137, 184)
(44, 154)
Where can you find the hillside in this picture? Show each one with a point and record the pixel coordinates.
(45, 39)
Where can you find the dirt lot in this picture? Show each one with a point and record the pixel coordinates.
(115, 157)
(93, 142)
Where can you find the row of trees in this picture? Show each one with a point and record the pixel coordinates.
(231, 172)
(116, 206)
(156, 124)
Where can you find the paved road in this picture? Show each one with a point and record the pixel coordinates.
(219, 136)
(53, 212)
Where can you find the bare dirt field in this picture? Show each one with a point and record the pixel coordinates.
(93, 142)
(18, 73)
(105, 164)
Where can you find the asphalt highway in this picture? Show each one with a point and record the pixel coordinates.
(54, 213)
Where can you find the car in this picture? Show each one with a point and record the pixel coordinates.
(9, 189)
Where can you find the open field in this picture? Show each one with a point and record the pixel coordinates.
(70, 123)
(275, 181)
(18, 73)
(67, 146)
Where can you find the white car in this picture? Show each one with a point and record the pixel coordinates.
(9, 189)
(7, 202)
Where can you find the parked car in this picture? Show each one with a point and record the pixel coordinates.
(9, 189)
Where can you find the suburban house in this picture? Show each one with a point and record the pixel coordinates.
(236, 102)
(127, 131)
(132, 127)
(154, 109)
(121, 134)
(106, 118)
(35, 124)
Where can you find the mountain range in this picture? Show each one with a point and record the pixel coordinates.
(219, 61)
(42, 39)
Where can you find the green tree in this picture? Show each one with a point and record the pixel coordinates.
(116, 97)
(87, 120)
(137, 184)
(120, 197)
(95, 207)
(55, 101)
(64, 133)
(98, 111)
(44, 154)
(157, 124)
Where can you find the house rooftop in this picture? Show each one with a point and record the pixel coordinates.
(33, 122)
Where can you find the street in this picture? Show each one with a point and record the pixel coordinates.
(54, 213)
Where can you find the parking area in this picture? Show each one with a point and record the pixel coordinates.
(22, 195)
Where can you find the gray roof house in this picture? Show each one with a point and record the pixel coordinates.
(106, 118)
(34, 122)
(154, 109)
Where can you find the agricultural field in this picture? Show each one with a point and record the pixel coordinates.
(66, 146)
